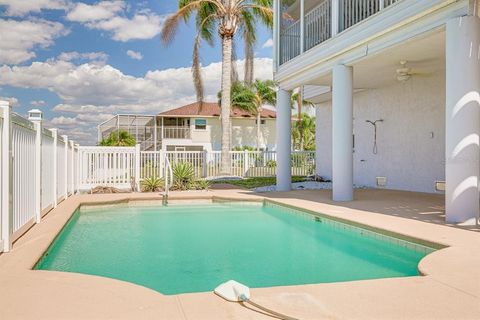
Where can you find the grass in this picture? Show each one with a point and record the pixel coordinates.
(250, 183)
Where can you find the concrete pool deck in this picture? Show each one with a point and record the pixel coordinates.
(450, 288)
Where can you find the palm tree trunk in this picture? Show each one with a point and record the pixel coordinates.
(225, 165)
(259, 121)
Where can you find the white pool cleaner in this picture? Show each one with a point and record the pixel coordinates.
(236, 292)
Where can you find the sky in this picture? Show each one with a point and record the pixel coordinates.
(81, 62)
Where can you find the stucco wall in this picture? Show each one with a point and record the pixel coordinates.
(411, 140)
(244, 132)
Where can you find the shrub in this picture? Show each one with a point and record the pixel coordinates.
(271, 164)
(202, 185)
(183, 176)
(152, 184)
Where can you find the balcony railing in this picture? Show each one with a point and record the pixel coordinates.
(318, 24)
(176, 133)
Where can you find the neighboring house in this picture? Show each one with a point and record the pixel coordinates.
(190, 128)
(412, 64)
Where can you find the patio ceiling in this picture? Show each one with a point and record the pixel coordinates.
(425, 55)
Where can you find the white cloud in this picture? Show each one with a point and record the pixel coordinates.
(37, 103)
(19, 39)
(102, 10)
(91, 93)
(23, 7)
(110, 16)
(268, 43)
(134, 55)
(95, 57)
(13, 101)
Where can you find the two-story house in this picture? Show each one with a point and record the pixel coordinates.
(193, 128)
(397, 88)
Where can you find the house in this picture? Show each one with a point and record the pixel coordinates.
(193, 128)
(396, 84)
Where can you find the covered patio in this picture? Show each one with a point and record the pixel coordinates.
(398, 112)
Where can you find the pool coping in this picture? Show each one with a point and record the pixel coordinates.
(435, 266)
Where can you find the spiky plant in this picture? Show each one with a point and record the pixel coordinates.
(183, 176)
(152, 184)
(227, 18)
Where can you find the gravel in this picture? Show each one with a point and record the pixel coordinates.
(306, 185)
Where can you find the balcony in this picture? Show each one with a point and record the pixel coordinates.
(321, 20)
(176, 132)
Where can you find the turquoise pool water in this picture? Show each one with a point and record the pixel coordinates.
(192, 247)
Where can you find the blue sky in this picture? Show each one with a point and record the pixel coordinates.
(82, 61)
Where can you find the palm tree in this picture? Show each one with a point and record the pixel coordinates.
(297, 99)
(227, 18)
(118, 138)
(252, 98)
(304, 133)
(264, 94)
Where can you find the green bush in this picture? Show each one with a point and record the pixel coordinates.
(202, 185)
(152, 184)
(271, 164)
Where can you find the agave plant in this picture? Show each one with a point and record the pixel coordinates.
(183, 176)
(202, 184)
(152, 184)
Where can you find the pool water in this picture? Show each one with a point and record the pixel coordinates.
(183, 248)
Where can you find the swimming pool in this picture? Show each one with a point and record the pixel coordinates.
(193, 247)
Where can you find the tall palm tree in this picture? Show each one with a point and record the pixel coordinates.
(297, 99)
(228, 18)
(252, 98)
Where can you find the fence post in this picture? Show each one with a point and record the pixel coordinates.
(72, 166)
(137, 167)
(204, 164)
(55, 166)
(245, 162)
(6, 171)
(65, 171)
(35, 116)
(76, 155)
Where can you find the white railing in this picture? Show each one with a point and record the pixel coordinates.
(290, 42)
(176, 133)
(106, 166)
(318, 24)
(207, 164)
(24, 178)
(33, 171)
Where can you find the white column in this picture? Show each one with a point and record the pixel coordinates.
(342, 133)
(284, 142)
(6, 197)
(462, 143)
(35, 116)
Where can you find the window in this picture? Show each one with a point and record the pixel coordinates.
(261, 121)
(200, 124)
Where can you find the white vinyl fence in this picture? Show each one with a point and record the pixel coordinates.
(125, 167)
(39, 169)
(34, 165)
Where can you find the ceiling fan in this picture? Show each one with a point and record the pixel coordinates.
(404, 73)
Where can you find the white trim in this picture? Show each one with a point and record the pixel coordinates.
(405, 20)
